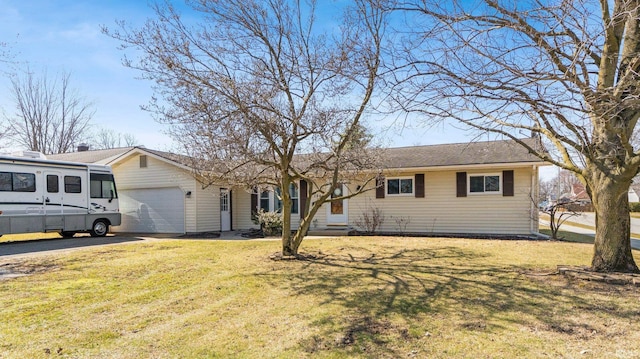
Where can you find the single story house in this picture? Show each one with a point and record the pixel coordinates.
(467, 188)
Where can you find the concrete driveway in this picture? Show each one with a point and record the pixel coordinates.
(42, 246)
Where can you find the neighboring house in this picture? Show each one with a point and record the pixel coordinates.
(634, 193)
(578, 194)
(577, 200)
(472, 188)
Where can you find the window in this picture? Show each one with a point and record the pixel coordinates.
(72, 184)
(264, 201)
(17, 182)
(293, 192)
(489, 183)
(102, 186)
(277, 200)
(400, 186)
(6, 184)
(272, 200)
(52, 184)
(143, 161)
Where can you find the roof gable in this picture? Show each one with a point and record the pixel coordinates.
(115, 156)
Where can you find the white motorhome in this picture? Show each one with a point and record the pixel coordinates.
(40, 195)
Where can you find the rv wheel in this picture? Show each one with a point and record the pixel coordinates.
(67, 234)
(100, 228)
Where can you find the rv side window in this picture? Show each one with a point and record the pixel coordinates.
(72, 184)
(5, 181)
(103, 186)
(17, 182)
(52, 184)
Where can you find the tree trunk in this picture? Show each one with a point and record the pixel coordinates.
(612, 249)
(289, 247)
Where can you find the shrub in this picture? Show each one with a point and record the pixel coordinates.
(270, 222)
(370, 220)
(634, 207)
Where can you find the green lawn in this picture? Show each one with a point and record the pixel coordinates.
(360, 297)
(28, 236)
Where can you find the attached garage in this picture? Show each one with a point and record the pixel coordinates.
(152, 210)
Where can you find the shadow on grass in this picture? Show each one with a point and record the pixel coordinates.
(52, 244)
(400, 297)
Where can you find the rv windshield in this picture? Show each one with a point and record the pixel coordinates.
(103, 186)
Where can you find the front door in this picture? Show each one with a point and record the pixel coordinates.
(337, 209)
(225, 209)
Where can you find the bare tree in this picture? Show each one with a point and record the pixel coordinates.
(257, 85)
(565, 70)
(50, 116)
(108, 138)
(6, 57)
(559, 213)
(561, 184)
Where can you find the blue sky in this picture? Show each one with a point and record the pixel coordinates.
(64, 35)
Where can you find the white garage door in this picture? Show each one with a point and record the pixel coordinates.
(158, 210)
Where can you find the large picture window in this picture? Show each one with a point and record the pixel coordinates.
(400, 186)
(485, 183)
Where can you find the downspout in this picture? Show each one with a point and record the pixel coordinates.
(534, 219)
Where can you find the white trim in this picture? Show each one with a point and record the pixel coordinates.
(484, 193)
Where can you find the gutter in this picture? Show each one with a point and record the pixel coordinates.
(534, 218)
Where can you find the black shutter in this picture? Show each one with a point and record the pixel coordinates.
(303, 197)
(419, 183)
(507, 183)
(380, 187)
(254, 202)
(461, 184)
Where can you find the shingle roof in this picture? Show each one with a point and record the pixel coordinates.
(93, 156)
(457, 154)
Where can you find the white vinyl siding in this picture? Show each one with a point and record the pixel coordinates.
(442, 212)
(162, 174)
(207, 208)
(241, 209)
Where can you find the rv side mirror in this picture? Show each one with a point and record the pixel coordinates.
(111, 193)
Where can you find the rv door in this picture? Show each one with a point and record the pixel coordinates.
(53, 201)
